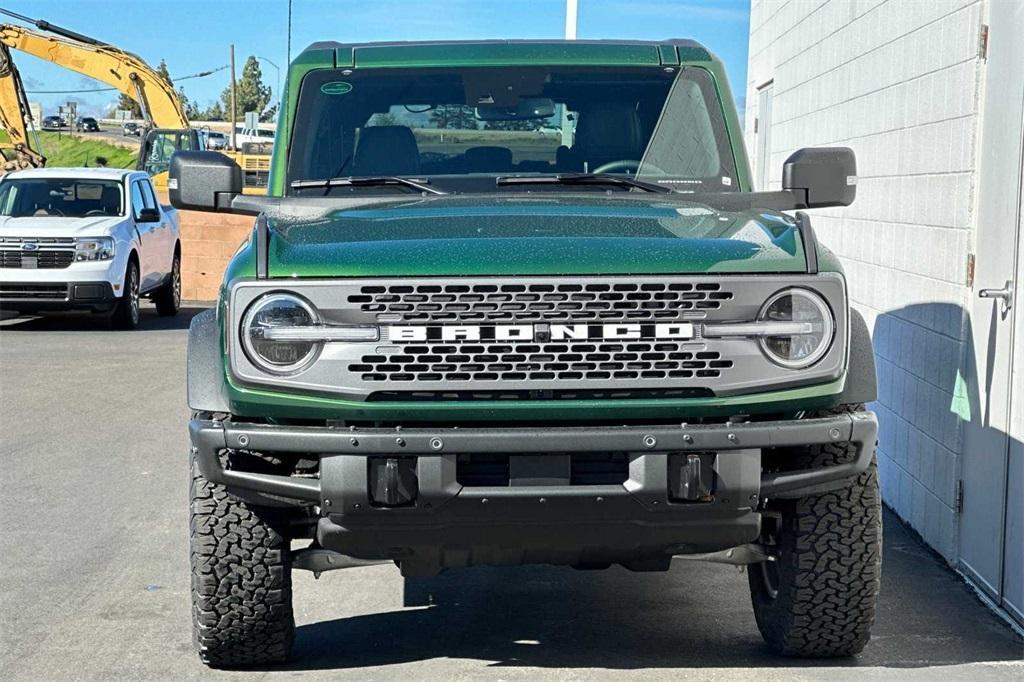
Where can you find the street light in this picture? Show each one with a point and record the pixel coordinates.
(277, 88)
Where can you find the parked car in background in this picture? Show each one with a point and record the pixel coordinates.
(87, 124)
(91, 239)
(53, 123)
(216, 140)
(131, 129)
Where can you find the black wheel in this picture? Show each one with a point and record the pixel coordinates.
(168, 297)
(126, 311)
(241, 578)
(817, 599)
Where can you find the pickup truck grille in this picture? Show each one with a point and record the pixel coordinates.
(540, 302)
(50, 253)
(529, 362)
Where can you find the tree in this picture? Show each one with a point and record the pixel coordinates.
(190, 107)
(215, 112)
(454, 116)
(250, 92)
(269, 115)
(521, 124)
(128, 103)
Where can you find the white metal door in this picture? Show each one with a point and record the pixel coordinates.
(990, 523)
(764, 136)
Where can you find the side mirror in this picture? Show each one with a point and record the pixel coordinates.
(203, 181)
(824, 176)
(149, 215)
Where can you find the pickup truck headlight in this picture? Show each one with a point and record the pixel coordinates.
(98, 248)
(798, 350)
(279, 354)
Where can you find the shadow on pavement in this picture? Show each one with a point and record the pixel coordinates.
(552, 617)
(78, 321)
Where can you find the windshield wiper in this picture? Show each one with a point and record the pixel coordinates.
(581, 179)
(372, 181)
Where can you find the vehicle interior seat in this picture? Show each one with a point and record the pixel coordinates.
(604, 133)
(386, 150)
(110, 201)
(488, 159)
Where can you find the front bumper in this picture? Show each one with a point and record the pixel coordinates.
(97, 296)
(638, 522)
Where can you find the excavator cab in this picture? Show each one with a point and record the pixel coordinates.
(158, 144)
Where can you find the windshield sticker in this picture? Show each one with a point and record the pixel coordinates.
(727, 181)
(336, 88)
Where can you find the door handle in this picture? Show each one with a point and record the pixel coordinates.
(1005, 296)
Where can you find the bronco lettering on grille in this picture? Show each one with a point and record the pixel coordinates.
(540, 332)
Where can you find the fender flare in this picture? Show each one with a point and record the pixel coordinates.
(207, 389)
(861, 381)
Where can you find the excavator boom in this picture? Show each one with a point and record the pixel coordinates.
(105, 63)
(15, 119)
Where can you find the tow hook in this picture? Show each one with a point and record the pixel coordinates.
(743, 555)
(318, 560)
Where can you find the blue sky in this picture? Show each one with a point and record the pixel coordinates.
(193, 35)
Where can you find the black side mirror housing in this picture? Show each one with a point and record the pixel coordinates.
(203, 181)
(149, 215)
(824, 176)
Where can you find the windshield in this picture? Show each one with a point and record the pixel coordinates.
(445, 125)
(24, 198)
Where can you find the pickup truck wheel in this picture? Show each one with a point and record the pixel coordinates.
(817, 599)
(168, 297)
(126, 312)
(241, 578)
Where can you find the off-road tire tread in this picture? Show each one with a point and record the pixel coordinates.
(830, 557)
(241, 578)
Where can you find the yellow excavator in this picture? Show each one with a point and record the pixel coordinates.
(22, 150)
(132, 76)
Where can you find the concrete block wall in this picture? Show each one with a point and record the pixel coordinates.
(208, 240)
(898, 81)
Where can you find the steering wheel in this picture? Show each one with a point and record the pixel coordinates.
(627, 165)
(95, 211)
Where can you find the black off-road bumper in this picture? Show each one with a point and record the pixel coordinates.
(413, 495)
(97, 296)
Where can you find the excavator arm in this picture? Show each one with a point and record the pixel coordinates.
(15, 119)
(117, 68)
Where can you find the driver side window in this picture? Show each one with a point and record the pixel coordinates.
(138, 203)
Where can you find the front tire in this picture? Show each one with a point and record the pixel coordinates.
(817, 599)
(241, 578)
(168, 297)
(126, 312)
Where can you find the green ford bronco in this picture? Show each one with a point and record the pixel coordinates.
(517, 302)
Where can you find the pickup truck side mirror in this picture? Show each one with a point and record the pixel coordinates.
(825, 176)
(148, 215)
(203, 181)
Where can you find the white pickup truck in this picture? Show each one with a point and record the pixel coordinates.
(87, 238)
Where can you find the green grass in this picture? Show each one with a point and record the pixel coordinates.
(64, 150)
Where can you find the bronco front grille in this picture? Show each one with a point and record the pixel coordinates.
(579, 302)
(526, 362)
(539, 338)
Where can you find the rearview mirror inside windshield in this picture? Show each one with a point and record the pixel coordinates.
(528, 108)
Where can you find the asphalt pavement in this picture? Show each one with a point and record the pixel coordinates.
(94, 576)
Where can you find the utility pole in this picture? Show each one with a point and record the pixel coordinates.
(233, 118)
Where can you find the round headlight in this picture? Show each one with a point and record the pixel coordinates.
(796, 351)
(278, 355)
